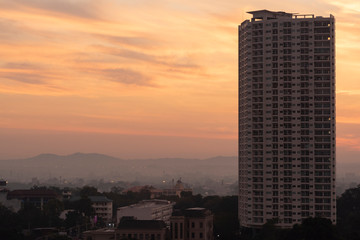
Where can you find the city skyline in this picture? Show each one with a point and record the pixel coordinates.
(134, 79)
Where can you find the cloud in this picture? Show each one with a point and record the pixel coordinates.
(127, 76)
(20, 65)
(174, 61)
(79, 8)
(348, 135)
(134, 41)
(29, 78)
(348, 92)
(346, 6)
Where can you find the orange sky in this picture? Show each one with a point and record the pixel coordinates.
(160, 69)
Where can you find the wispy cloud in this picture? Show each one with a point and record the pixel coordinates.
(127, 76)
(21, 65)
(142, 42)
(79, 8)
(347, 6)
(173, 61)
(29, 78)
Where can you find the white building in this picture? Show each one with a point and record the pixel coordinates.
(148, 210)
(103, 207)
(286, 118)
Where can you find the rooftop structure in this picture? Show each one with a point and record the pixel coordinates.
(148, 210)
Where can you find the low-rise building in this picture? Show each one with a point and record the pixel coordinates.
(148, 210)
(130, 228)
(103, 207)
(100, 234)
(37, 197)
(193, 223)
(66, 194)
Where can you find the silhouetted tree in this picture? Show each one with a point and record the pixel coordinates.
(32, 217)
(9, 224)
(52, 211)
(87, 191)
(348, 213)
(314, 229)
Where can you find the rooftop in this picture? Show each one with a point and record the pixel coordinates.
(99, 199)
(196, 212)
(32, 193)
(154, 203)
(266, 14)
(141, 224)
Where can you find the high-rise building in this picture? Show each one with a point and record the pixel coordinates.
(286, 118)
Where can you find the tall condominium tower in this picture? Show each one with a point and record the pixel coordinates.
(286, 118)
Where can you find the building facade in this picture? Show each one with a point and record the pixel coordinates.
(142, 230)
(36, 197)
(286, 118)
(103, 207)
(148, 210)
(131, 229)
(193, 223)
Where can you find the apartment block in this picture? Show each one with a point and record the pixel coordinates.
(286, 118)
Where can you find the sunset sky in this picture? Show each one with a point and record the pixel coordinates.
(141, 79)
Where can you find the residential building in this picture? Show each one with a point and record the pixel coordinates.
(193, 223)
(148, 210)
(103, 207)
(286, 118)
(37, 197)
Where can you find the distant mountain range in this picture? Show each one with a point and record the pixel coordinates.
(94, 165)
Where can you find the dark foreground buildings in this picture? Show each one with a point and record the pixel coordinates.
(286, 118)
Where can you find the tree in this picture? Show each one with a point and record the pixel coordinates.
(32, 217)
(87, 191)
(269, 231)
(9, 224)
(84, 206)
(52, 211)
(74, 218)
(348, 213)
(314, 229)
